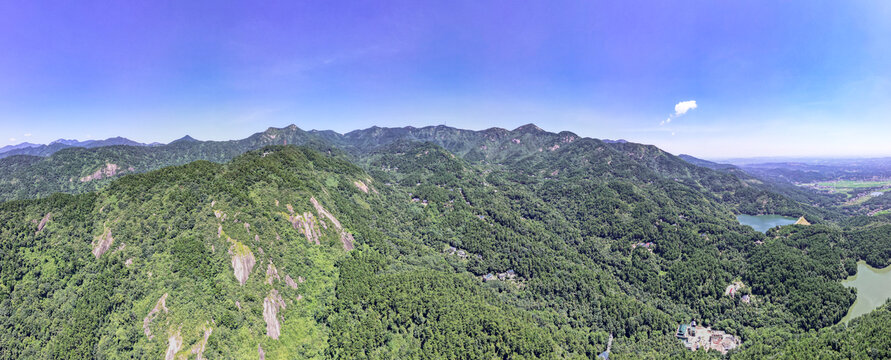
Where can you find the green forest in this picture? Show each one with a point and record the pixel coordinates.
(418, 243)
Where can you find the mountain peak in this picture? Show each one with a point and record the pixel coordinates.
(65, 142)
(186, 138)
(530, 127)
(17, 146)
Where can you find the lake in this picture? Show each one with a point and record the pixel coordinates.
(873, 288)
(762, 223)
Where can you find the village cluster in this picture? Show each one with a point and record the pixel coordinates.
(697, 337)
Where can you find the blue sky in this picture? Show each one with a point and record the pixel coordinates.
(792, 78)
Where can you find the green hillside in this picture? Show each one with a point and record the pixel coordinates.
(406, 243)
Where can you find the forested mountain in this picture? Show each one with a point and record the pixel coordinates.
(825, 201)
(77, 170)
(427, 242)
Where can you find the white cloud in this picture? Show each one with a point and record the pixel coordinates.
(28, 135)
(682, 107)
(11, 139)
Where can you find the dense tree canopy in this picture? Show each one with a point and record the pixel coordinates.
(374, 244)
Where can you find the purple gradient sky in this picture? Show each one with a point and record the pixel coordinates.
(796, 78)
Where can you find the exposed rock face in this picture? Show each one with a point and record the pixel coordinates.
(271, 306)
(42, 224)
(290, 282)
(271, 273)
(128, 262)
(242, 261)
(198, 349)
(261, 352)
(345, 237)
(361, 186)
(108, 171)
(102, 243)
(173, 344)
(323, 212)
(147, 322)
(306, 224)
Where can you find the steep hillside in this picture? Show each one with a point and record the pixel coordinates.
(76, 170)
(79, 170)
(822, 205)
(402, 248)
(233, 260)
(209, 258)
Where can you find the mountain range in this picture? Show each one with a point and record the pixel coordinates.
(49, 149)
(430, 242)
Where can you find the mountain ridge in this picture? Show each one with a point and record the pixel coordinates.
(408, 243)
(490, 147)
(59, 144)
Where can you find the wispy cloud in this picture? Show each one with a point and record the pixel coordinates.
(11, 139)
(682, 107)
(28, 135)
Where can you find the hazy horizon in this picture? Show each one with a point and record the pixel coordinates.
(713, 80)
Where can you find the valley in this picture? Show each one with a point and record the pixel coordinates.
(334, 249)
(469, 180)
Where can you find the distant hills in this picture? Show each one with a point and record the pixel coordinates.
(23, 145)
(808, 170)
(51, 148)
(705, 163)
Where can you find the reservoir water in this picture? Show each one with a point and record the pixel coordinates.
(762, 223)
(873, 289)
